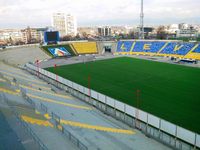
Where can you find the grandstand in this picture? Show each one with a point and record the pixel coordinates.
(85, 47)
(159, 48)
(72, 49)
(177, 49)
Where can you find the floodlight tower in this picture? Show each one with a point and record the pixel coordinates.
(141, 22)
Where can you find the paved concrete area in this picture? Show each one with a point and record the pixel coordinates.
(23, 55)
(87, 58)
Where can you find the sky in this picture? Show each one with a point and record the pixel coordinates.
(37, 13)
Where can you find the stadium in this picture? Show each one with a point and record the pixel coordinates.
(132, 94)
(144, 87)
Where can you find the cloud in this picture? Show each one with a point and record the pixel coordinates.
(20, 13)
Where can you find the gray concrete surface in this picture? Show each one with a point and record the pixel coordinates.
(85, 59)
(23, 55)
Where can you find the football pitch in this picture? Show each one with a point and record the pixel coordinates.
(169, 91)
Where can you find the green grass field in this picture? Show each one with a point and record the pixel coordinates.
(169, 91)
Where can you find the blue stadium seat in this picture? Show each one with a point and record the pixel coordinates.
(155, 47)
(197, 50)
(143, 46)
(124, 46)
(176, 48)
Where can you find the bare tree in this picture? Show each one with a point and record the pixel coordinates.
(161, 33)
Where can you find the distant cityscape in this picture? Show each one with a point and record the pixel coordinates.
(66, 24)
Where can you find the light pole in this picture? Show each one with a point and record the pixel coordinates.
(141, 22)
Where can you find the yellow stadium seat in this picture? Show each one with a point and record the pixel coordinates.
(85, 47)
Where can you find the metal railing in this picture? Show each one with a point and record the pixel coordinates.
(69, 135)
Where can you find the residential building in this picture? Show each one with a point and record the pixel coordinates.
(104, 31)
(66, 24)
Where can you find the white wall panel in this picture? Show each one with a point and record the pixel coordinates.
(50, 75)
(68, 83)
(93, 94)
(186, 135)
(142, 115)
(168, 127)
(130, 110)
(45, 72)
(78, 87)
(32, 67)
(41, 70)
(60, 79)
(119, 105)
(102, 98)
(86, 91)
(64, 81)
(81, 88)
(198, 140)
(75, 86)
(110, 101)
(54, 76)
(153, 120)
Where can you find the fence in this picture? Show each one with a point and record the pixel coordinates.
(154, 127)
(69, 135)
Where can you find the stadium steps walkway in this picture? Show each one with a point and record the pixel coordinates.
(59, 102)
(75, 124)
(23, 78)
(8, 91)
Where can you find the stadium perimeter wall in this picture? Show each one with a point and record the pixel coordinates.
(154, 127)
